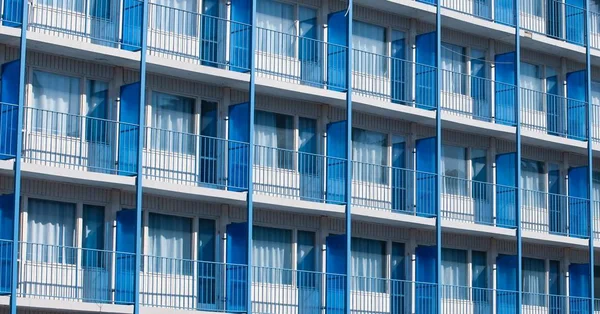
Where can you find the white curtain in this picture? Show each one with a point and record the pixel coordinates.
(534, 281)
(276, 27)
(454, 78)
(533, 183)
(531, 87)
(454, 273)
(169, 244)
(175, 16)
(50, 231)
(57, 100)
(273, 135)
(454, 169)
(71, 5)
(369, 150)
(272, 251)
(172, 123)
(368, 265)
(370, 56)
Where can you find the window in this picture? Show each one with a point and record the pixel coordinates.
(454, 273)
(172, 123)
(368, 265)
(454, 170)
(276, 27)
(71, 5)
(369, 150)
(93, 237)
(306, 251)
(398, 267)
(534, 281)
(370, 56)
(208, 272)
(175, 16)
(97, 127)
(274, 137)
(531, 83)
(169, 244)
(533, 183)
(454, 79)
(51, 232)
(479, 270)
(272, 251)
(56, 103)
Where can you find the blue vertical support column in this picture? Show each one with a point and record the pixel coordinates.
(139, 168)
(518, 155)
(17, 166)
(590, 156)
(349, 67)
(438, 158)
(250, 195)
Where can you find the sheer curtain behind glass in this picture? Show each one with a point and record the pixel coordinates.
(50, 232)
(369, 150)
(369, 41)
(531, 87)
(368, 265)
(533, 183)
(69, 5)
(453, 69)
(276, 28)
(274, 137)
(272, 252)
(534, 281)
(175, 16)
(454, 170)
(454, 273)
(172, 123)
(169, 244)
(56, 99)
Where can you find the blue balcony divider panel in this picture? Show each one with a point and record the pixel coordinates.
(399, 289)
(211, 34)
(578, 203)
(131, 36)
(579, 283)
(12, 15)
(237, 259)
(505, 88)
(504, 11)
(6, 234)
(505, 190)
(506, 295)
(239, 55)
(426, 278)
(129, 112)
(238, 151)
(480, 90)
(554, 106)
(575, 21)
(125, 257)
(399, 178)
(9, 114)
(400, 72)
(337, 50)
(576, 105)
(310, 54)
(425, 177)
(554, 13)
(425, 76)
(556, 204)
(336, 270)
(336, 162)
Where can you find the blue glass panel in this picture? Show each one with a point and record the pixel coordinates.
(399, 290)
(399, 178)
(309, 296)
(336, 269)
(555, 16)
(576, 105)
(505, 190)
(128, 129)
(425, 177)
(425, 77)
(556, 203)
(131, 36)
(237, 257)
(504, 11)
(7, 203)
(209, 273)
(578, 204)
(480, 89)
(336, 165)
(336, 50)
(575, 21)
(426, 275)
(13, 13)
(555, 106)
(9, 110)
(310, 50)
(210, 147)
(506, 268)
(238, 148)
(400, 70)
(125, 256)
(211, 33)
(505, 88)
(239, 55)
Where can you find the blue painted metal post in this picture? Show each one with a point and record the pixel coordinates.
(349, 67)
(250, 196)
(590, 155)
(17, 166)
(518, 157)
(438, 156)
(139, 176)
